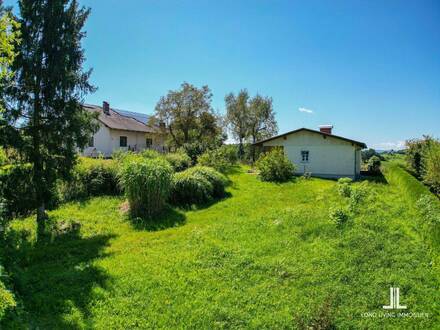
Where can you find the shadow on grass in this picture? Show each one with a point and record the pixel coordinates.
(202, 206)
(376, 178)
(55, 281)
(167, 219)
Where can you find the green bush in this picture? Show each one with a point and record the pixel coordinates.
(344, 188)
(16, 190)
(429, 207)
(374, 164)
(190, 187)
(3, 157)
(431, 166)
(150, 153)
(415, 149)
(147, 184)
(275, 166)
(217, 180)
(7, 300)
(357, 196)
(339, 216)
(91, 177)
(220, 159)
(179, 160)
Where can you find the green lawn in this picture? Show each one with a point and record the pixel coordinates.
(265, 257)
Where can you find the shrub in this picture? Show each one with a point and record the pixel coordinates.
(146, 183)
(429, 208)
(220, 159)
(275, 166)
(6, 298)
(3, 157)
(217, 180)
(344, 188)
(179, 160)
(191, 187)
(414, 153)
(339, 216)
(431, 166)
(16, 190)
(374, 164)
(91, 177)
(357, 196)
(150, 153)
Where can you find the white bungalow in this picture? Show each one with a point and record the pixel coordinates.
(319, 152)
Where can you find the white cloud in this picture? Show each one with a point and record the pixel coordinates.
(301, 109)
(396, 145)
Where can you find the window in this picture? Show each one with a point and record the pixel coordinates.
(149, 142)
(92, 141)
(122, 141)
(305, 156)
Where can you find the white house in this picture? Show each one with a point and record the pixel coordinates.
(319, 152)
(122, 130)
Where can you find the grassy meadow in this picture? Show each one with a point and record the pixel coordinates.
(267, 256)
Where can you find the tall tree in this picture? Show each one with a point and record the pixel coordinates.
(9, 39)
(237, 114)
(261, 122)
(49, 89)
(188, 115)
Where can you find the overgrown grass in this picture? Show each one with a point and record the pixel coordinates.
(266, 257)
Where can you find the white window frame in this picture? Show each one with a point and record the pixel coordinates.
(305, 156)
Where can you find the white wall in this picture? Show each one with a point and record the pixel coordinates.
(106, 141)
(328, 157)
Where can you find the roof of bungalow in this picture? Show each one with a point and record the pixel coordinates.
(122, 120)
(360, 144)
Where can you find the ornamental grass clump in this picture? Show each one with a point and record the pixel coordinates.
(147, 183)
(217, 180)
(189, 188)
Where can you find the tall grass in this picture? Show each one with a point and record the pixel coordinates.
(146, 182)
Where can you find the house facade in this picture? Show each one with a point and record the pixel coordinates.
(319, 152)
(122, 130)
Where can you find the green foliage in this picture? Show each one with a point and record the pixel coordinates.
(9, 38)
(16, 189)
(191, 187)
(7, 300)
(221, 158)
(250, 119)
(339, 216)
(275, 166)
(344, 188)
(358, 194)
(48, 90)
(3, 157)
(368, 153)
(217, 180)
(415, 149)
(273, 242)
(429, 207)
(179, 160)
(150, 154)
(189, 116)
(431, 166)
(90, 177)
(146, 182)
(374, 164)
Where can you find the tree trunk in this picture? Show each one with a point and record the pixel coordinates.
(240, 149)
(41, 219)
(254, 139)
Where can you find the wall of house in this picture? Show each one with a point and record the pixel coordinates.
(107, 140)
(328, 157)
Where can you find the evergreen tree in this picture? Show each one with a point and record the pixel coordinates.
(48, 93)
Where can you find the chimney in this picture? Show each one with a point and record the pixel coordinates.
(327, 129)
(106, 107)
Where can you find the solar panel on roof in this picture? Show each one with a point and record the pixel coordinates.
(142, 117)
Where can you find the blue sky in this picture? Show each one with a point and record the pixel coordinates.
(370, 68)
